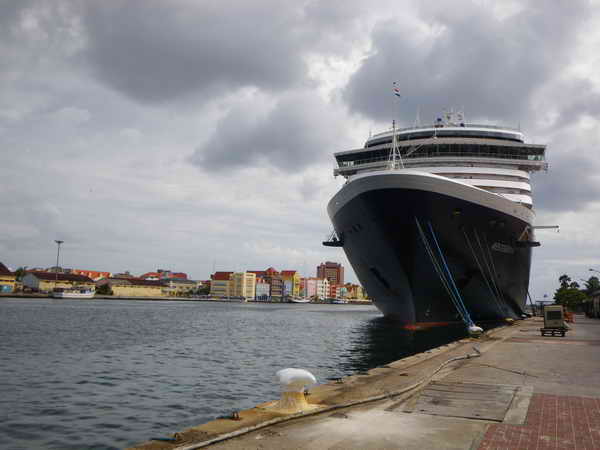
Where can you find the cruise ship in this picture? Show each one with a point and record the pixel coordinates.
(437, 221)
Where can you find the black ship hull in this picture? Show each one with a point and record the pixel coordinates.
(480, 236)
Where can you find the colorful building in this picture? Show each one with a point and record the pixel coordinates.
(48, 281)
(8, 280)
(315, 288)
(334, 272)
(355, 291)
(220, 284)
(337, 291)
(133, 287)
(243, 284)
(291, 279)
(273, 277)
(263, 290)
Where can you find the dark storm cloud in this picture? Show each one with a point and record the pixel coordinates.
(468, 58)
(300, 130)
(156, 51)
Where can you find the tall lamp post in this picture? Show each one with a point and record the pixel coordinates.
(58, 242)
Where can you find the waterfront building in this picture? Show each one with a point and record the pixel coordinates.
(133, 287)
(334, 272)
(337, 291)
(355, 291)
(273, 277)
(262, 289)
(179, 286)
(7, 280)
(243, 284)
(291, 280)
(220, 284)
(313, 287)
(48, 281)
(93, 274)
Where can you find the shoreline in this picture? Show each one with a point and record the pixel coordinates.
(182, 299)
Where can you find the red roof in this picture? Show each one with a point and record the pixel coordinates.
(138, 281)
(150, 275)
(50, 276)
(221, 276)
(179, 275)
(289, 272)
(4, 270)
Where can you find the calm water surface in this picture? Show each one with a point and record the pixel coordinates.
(108, 374)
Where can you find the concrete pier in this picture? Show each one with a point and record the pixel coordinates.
(525, 391)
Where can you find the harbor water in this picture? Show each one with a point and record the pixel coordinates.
(104, 374)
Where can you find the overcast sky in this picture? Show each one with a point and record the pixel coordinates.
(188, 134)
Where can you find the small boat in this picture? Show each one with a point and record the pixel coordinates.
(73, 293)
(339, 301)
(299, 300)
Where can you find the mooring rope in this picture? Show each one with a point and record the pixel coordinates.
(462, 304)
(484, 257)
(493, 265)
(496, 299)
(439, 271)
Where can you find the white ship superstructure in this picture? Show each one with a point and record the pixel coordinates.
(485, 156)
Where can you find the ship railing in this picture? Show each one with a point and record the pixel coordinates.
(377, 163)
(467, 125)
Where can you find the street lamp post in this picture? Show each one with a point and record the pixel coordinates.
(58, 242)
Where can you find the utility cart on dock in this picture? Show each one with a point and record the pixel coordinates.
(554, 321)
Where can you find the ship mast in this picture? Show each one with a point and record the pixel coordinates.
(395, 155)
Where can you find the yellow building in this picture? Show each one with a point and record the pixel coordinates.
(133, 287)
(48, 281)
(220, 284)
(291, 280)
(243, 284)
(355, 291)
(7, 280)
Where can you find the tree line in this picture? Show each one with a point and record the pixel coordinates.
(571, 294)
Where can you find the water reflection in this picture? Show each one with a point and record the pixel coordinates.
(379, 341)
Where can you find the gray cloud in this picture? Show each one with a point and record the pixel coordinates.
(467, 58)
(300, 130)
(155, 51)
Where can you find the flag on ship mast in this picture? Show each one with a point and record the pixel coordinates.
(396, 90)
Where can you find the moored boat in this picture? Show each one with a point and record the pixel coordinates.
(73, 293)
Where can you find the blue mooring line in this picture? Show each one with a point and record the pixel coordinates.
(465, 312)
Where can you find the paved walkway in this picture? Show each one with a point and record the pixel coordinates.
(553, 422)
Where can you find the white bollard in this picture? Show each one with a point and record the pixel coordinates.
(475, 331)
(293, 381)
